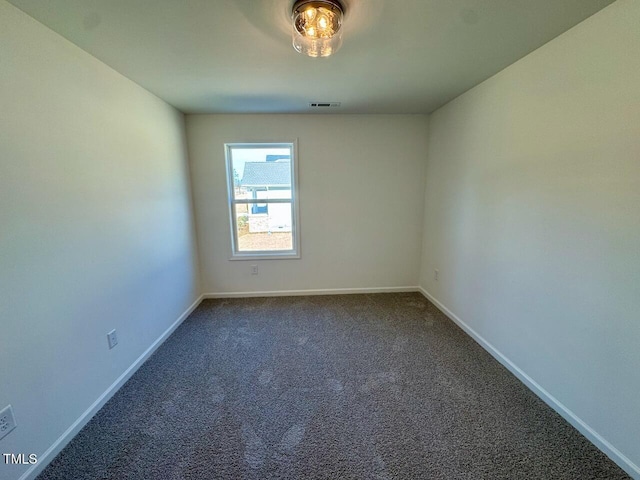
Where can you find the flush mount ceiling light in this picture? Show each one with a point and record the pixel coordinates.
(317, 27)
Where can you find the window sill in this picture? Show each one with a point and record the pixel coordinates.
(266, 256)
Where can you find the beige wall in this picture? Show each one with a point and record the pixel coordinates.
(533, 218)
(361, 200)
(95, 229)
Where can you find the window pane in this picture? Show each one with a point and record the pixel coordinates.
(258, 170)
(264, 226)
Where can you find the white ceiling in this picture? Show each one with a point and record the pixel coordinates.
(223, 56)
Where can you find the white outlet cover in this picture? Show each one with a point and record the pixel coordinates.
(7, 421)
(112, 338)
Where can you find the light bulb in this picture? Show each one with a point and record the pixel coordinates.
(310, 13)
(323, 22)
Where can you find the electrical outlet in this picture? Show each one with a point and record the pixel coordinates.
(112, 338)
(7, 421)
(436, 275)
(254, 269)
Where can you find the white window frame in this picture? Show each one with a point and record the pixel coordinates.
(236, 254)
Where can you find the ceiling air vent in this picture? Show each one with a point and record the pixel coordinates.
(324, 104)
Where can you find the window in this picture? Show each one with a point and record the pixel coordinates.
(263, 208)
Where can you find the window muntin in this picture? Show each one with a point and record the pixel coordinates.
(262, 187)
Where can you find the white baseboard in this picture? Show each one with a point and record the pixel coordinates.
(594, 437)
(65, 438)
(322, 291)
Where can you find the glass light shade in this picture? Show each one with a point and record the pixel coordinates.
(317, 27)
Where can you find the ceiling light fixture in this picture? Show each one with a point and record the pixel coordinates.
(317, 27)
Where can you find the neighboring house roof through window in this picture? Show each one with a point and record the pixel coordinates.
(266, 174)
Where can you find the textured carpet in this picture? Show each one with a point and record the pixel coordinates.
(377, 386)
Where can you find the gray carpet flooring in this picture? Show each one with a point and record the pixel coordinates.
(377, 386)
